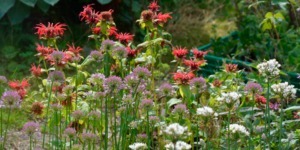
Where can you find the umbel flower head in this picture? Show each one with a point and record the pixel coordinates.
(205, 111)
(198, 84)
(175, 130)
(236, 128)
(229, 98)
(253, 88)
(269, 68)
(70, 132)
(30, 128)
(141, 72)
(180, 145)
(96, 55)
(166, 89)
(138, 146)
(180, 108)
(56, 76)
(285, 90)
(88, 137)
(113, 84)
(10, 99)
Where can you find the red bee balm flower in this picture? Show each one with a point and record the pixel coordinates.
(131, 52)
(183, 77)
(50, 31)
(112, 31)
(36, 70)
(106, 15)
(154, 6)
(124, 38)
(199, 54)
(96, 30)
(194, 65)
(73, 49)
(179, 52)
(43, 51)
(163, 18)
(89, 15)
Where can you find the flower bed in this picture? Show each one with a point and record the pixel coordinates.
(126, 96)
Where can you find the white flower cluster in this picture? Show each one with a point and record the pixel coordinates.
(138, 146)
(180, 145)
(269, 68)
(234, 128)
(230, 97)
(284, 89)
(175, 129)
(205, 111)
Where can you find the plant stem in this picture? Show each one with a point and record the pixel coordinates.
(148, 132)
(5, 133)
(268, 114)
(106, 125)
(30, 140)
(47, 111)
(228, 132)
(281, 118)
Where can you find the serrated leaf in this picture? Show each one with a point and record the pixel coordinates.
(173, 101)
(51, 2)
(43, 5)
(104, 2)
(18, 13)
(5, 5)
(30, 3)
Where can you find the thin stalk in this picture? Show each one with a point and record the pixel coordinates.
(228, 133)
(268, 114)
(281, 119)
(148, 132)
(47, 112)
(106, 125)
(76, 89)
(30, 141)
(5, 133)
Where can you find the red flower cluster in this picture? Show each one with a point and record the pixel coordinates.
(36, 70)
(231, 68)
(179, 52)
(199, 54)
(43, 51)
(89, 15)
(59, 58)
(194, 65)
(163, 18)
(154, 6)
(50, 31)
(124, 38)
(183, 77)
(260, 99)
(75, 50)
(19, 86)
(131, 52)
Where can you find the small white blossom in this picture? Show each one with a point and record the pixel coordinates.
(269, 68)
(229, 97)
(138, 146)
(284, 89)
(175, 129)
(180, 145)
(205, 111)
(235, 128)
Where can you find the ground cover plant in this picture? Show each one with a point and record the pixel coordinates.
(127, 96)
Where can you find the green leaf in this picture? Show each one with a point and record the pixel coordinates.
(173, 101)
(51, 2)
(292, 108)
(43, 5)
(269, 15)
(30, 3)
(279, 16)
(5, 5)
(18, 13)
(104, 2)
(9, 52)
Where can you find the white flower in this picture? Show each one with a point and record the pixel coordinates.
(138, 146)
(175, 129)
(180, 145)
(235, 128)
(284, 89)
(269, 68)
(229, 97)
(205, 111)
(170, 146)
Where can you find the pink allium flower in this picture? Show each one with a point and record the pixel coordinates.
(30, 128)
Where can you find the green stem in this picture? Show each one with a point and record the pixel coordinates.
(30, 141)
(5, 133)
(268, 114)
(148, 132)
(47, 111)
(228, 132)
(106, 125)
(281, 119)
